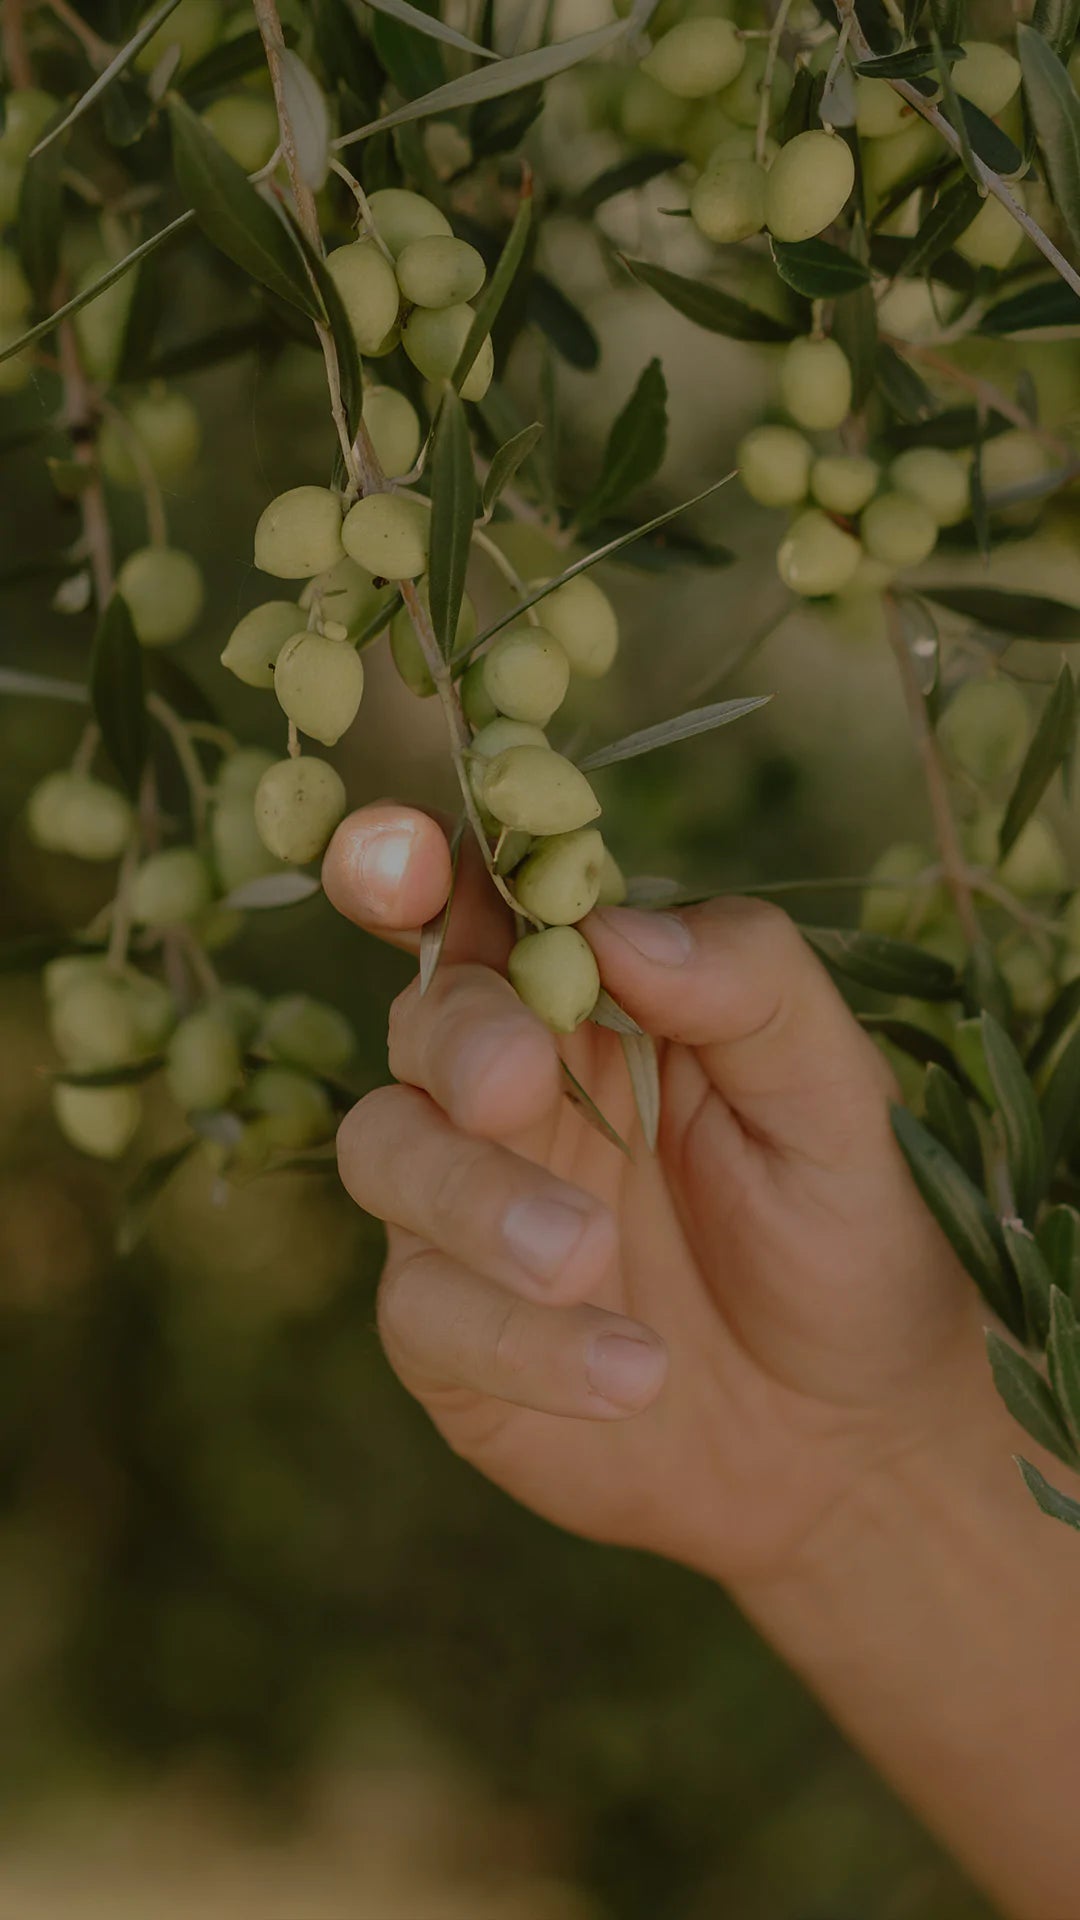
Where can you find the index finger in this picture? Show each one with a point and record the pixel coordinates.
(388, 868)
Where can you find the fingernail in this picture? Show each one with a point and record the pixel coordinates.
(382, 857)
(542, 1234)
(659, 937)
(624, 1370)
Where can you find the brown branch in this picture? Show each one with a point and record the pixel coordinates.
(16, 59)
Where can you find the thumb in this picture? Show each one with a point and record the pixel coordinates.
(735, 980)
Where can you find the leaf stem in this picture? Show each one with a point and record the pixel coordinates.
(954, 867)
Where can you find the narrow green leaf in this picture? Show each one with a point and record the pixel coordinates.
(206, 350)
(505, 463)
(580, 1098)
(888, 966)
(1014, 1098)
(453, 510)
(1060, 1103)
(980, 509)
(433, 933)
(499, 126)
(126, 111)
(129, 1074)
(273, 890)
(667, 550)
(624, 177)
(83, 299)
(138, 1204)
(1063, 1361)
(1058, 1235)
(667, 732)
(643, 1066)
(954, 210)
(1028, 1397)
(426, 23)
(987, 139)
(1048, 305)
(110, 73)
(963, 1215)
(901, 387)
(1057, 1506)
(1055, 113)
(1050, 743)
(494, 79)
(29, 952)
(231, 60)
(1030, 615)
(233, 214)
(1058, 21)
(40, 216)
(910, 1038)
(954, 107)
(854, 328)
(41, 686)
(1035, 1280)
(635, 448)
(497, 288)
(950, 1120)
(564, 324)
(817, 269)
(709, 306)
(608, 1013)
(117, 692)
(905, 64)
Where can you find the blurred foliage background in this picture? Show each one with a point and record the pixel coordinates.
(263, 1643)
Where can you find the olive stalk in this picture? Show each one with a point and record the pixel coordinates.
(954, 867)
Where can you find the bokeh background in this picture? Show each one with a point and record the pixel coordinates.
(265, 1648)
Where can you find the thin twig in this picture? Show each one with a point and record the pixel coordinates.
(16, 59)
(954, 867)
(190, 764)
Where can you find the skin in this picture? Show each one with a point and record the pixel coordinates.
(752, 1352)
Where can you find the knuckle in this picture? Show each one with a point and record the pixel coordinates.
(395, 1301)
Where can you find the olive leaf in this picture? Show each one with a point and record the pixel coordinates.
(453, 510)
(426, 23)
(305, 104)
(989, 141)
(1035, 1280)
(233, 214)
(1031, 615)
(950, 1120)
(497, 289)
(1058, 1235)
(129, 1074)
(953, 211)
(1060, 1103)
(107, 279)
(608, 1013)
(564, 324)
(40, 216)
(635, 448)
(709, 306)
(1050, 743)
(1021, 1124)
(205, 350)
(138, 1203)
(954, 106)
(1058, 21)
(1063, 1360)
(962, 1213)
(907, 63)
(1028, 1398)
(902, 389)
(582, 1099)
(229, 61)
(1055, 111)
(1051, 304)
(643, 1066)
(684, 726)
(497, 77)
(927, 1048)
(888, 966)
(115, 68)
(505, 463)
(1057, 1506)
(497, 126)
(817, 269)
(433, 932)
(117, 692)
(272, 890)
(624, 177)
(28, 952)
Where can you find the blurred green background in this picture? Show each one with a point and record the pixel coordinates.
(264, 1644)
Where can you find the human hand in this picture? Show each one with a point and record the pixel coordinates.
(700, 1351)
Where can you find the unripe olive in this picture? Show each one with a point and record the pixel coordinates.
(538, 790)
(405, 648)
(556, 975)
(774, 465)
(218, 927)
(203, 1067)
(584, 622)
(299, 533)
(741, 101)
(898, 912)
(75, 814)
(649, 113)
(879, 110)
(369, 292)
(401, 216)
(917, 309)
(1034, 863)
(843, 482)
(433, 339)
(15, 295)
(243, 1008)
(298, 803)
(985, 728)
(476, 702)
(815, 383)
(728, 202)
(388, 535)
(170, 888)
(816, 557)
(168, 427)
(903, 156)
(239, 854)
(295, 1108)
(559, 881)
(612, 889)
(898, 530)
(257, 639)
(95, 1025)
(194, 26)
(439, 271)
(153, 1010)
(246, 126)
(163, 589)
(100, 1121)
(27, 112)
(494, 738)
(346, 593)
(70, 970)
(1029, 978)
(696, 57)
(1011, 460)
(993, 237)
(319, 683)
(808, 185)
(394, 427)
(703, 129)
(527, 674)
(937, 478)
(240, 772)
(100, 325)
(307, 1033)
(739, 143)
(988, 76)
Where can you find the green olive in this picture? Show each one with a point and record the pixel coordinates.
(170, 888)
(433, 338)
(808, 185)
(299, 533)
(843, 482)
(985, 728)
(163, 589)
(74, 814)
(307, 1033)
(555, 974)
(817, 557)
(898, 530)
(439, 271)
(369, 292)
(527, 674)
(727, 203)
(559, 881)
(194, 26)
(166, 427)
(100, 1121)
(696, 58)
(939, 479)
(538, 791)
(298, 804)
(388, 534)
(203, 1068)
(774, 465)
(815, 383)
(394, 427)
(246, 126)
(319, 683)
(257, 639)
(401, 216)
